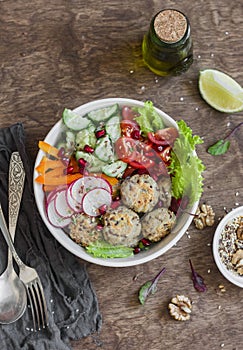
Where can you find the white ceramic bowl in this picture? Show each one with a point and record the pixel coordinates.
(144, 256)
(229, 275)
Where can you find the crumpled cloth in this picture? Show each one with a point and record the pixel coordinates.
(71, 301)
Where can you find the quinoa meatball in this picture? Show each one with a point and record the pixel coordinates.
(121, 226)
(157, 224)
(164, 184)
(140, 193)
(83, 229)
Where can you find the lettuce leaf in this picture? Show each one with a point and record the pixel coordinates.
(185, 167)
(148, 120)
(102, 249)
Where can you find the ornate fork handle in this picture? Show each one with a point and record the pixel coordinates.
(16, 185)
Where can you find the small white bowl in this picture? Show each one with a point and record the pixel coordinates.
(229, 275)
(145, 256)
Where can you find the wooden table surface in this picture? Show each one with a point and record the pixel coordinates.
(58, 53)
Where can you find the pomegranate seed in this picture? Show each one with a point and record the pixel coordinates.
(135, 134)
(145, 242)
(68, 170)
(160, 204)
(99, 227)
(103, 209)
(155, 177)
(136, 250)
(115, 204)
(65, 161)
(100, 133)
(88, 149)
(61, 152)
(82, 162)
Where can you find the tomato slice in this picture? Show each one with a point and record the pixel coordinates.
(130, 128)
(125, 148)
(134, 152)
(164, 137)
(165, 154)
(128, 113)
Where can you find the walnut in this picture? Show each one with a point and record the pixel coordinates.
(237, 260)
(204, 216)
(239, 231)
(180, 308)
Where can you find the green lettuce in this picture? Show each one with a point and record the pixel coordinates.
(102, 249)
(185, 167)
(148, 120)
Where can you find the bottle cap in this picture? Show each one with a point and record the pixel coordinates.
(170, 26)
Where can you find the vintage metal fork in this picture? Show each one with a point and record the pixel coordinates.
(31, 280)
(27, 274)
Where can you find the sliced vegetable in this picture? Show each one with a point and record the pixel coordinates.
(103, 114)
(104, 149)
(47, 164)
(95, 199)
(134, 152)
(49, 149)
(61, 204)
(54, 218)
(57, 180)
(113, 128)
(86, 137)
(93, 164)
(74, 121)
(115, 169)
(164, 137)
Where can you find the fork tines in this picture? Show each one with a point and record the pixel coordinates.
(37, 304)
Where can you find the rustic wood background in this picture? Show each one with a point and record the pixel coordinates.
(59, 53)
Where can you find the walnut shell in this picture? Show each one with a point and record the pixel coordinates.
(180, 308)
(204, 216)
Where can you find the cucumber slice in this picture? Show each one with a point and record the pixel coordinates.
(86, 137)
(104, 150)
(113, 128)
(103, 114)
(74, 121)
(94, 164)
(115, 169)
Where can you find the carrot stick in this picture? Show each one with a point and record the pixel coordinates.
(46, 164)
(49, 149)
(57, 180)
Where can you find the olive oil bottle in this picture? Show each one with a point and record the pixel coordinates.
(167, 47)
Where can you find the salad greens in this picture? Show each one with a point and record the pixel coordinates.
(186, 168)
(102, 249)
(222, 145)
(149, 287)
(148, 120)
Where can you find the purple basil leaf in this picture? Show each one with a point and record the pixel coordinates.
(198, 280)
(149, 287)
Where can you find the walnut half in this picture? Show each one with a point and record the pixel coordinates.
(237, 260)
(204, 216)
(180, 308)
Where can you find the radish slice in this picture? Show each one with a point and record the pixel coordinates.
(61, 205)
(54, 218)
(73, 204)
(94, 199)
(81, 186)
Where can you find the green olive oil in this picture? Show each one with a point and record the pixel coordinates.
(167, 47)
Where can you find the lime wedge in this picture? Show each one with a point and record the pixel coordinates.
(220, 91)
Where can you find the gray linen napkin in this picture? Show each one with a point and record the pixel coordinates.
(71, 301)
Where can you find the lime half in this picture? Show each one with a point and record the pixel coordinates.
(220, 91)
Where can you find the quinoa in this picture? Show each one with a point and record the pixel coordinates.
(229, 243)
